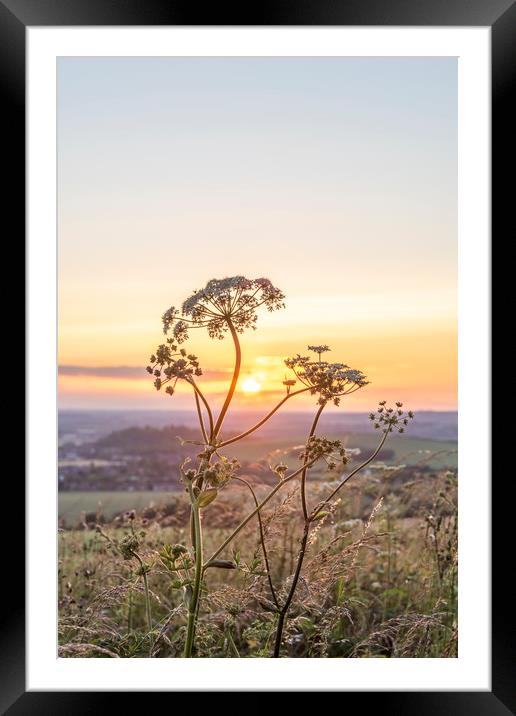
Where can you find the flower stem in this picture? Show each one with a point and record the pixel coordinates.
(195, 522)
(234, 380)
(130, 613)
(146, 588)
(147, 601)
(284, 610)
(199, 394)
(201, 420)
(262, 541)
(303, 474)
(196, 592)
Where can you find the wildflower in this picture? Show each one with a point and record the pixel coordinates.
(280, 469)
(389, 419)
(288, 384)
(220, 303)
(319, 349)
(128, 545)
(331, 451)
(169, 365)
(330, 380)
(219, 473)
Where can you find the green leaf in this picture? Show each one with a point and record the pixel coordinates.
(320, 515)
(221, 564)
(206, 497)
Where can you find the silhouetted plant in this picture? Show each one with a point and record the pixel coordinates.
(228, 307)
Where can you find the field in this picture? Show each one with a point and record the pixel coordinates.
(407, 450)
(71, 504)
(379, 578)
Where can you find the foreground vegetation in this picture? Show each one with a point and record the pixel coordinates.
(379, 580)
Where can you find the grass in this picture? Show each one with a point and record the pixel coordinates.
(379, 580)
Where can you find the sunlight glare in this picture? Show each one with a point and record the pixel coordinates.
(250, 385)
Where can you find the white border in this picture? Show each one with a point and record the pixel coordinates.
(471, 670)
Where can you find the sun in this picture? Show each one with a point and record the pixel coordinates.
(250, 385)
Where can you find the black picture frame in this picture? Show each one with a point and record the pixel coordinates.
(500, 16)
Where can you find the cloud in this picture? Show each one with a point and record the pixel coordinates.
(126, 371)
(110, 371)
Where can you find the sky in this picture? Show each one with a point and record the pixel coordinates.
(334, 177)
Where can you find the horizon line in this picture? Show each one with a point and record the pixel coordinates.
(242, 410)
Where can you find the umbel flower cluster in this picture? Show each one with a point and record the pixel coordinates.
(319, 349)
(220, 304)
(169, 365)
(390, 419)
(331, 451)
(219, 473)
(329, 380)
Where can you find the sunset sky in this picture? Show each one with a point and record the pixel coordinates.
(334, 177)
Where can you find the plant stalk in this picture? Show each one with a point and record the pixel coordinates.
(194, 600)
(262, 541)
(146, 588)
(303, 474)
(234, 380)
(284, 610)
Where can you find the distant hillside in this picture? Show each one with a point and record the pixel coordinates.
(148, 440)
(81, 426)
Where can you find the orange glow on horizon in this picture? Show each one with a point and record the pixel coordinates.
(420, 369)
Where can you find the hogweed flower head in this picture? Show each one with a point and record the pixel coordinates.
(288, 383)
(319, 349)
(330, 381)
(280, 469)
(219, 473)
(331, 451)
(170, 364)
(221, 301)
(128, 545)
(388, 419)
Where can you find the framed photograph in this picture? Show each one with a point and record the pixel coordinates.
(258, 366)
